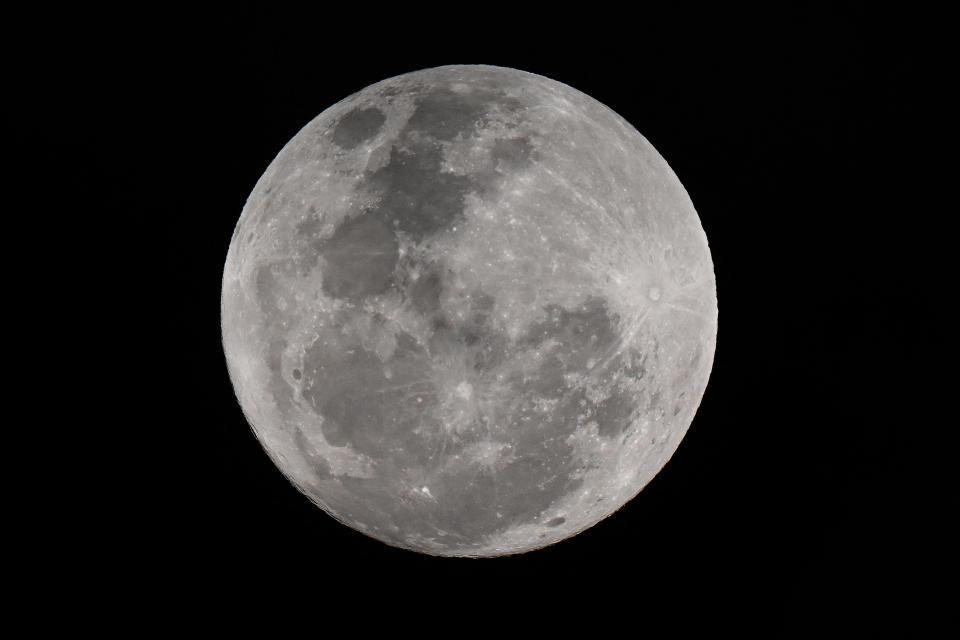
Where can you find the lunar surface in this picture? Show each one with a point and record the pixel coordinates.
(469, 311)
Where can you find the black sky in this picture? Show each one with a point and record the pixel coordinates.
(785, 511)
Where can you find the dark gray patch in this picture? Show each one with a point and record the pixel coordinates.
(484, 348)
(417, 197)
(443, 338)
(548, 381)
(333, 431)
(480, 348)
(556, 522)
(275, 354)
(583, 334)
(296, 374)
(359, 258)
(510, 154)
(265, 282)
(470, 333)
(614, 414)
(307, 235)
(425, 292)
(365, 409)
(358, 126)
(475, 327)
(482, 302)
(443, 113)
(407, 347)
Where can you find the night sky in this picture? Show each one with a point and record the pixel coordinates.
(787, 511)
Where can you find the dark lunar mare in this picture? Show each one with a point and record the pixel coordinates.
(415, 196)
(359, 259)
(357, 126)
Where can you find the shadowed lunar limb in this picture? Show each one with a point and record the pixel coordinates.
(469, 311)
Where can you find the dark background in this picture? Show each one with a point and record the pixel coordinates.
(787, 510)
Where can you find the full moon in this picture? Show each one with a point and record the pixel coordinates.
(469, 311)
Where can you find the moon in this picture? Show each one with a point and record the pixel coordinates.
(469, 311)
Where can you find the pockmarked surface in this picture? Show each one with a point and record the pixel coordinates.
(469, 311)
